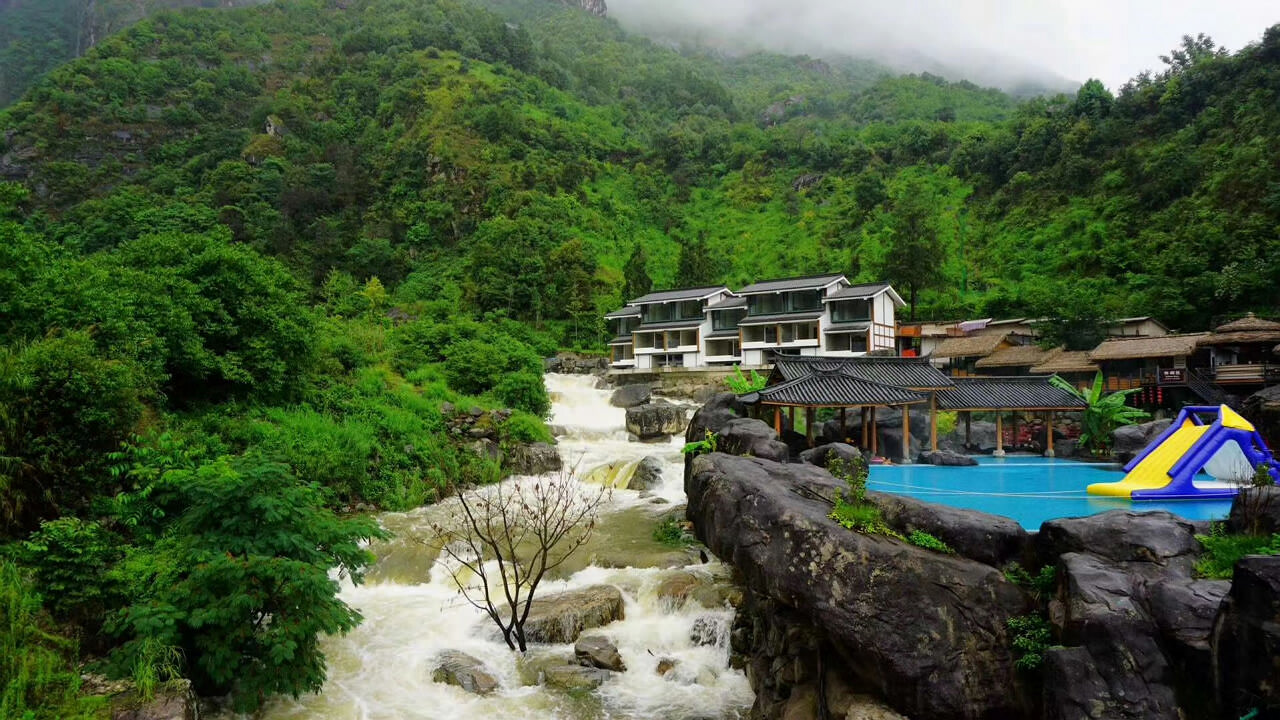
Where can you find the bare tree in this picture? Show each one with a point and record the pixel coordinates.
(509, 535)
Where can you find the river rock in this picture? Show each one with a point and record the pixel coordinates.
(942, 457)
(173, 701)
(986, 538)
(1255, 510)
(1129, 440)
(1246, 639)
(561, 618)
(648, 474)
(574, 679)
(714, 415)
(666, 665)
(655, 421)
(460, 669)
(630, 396)
(823, 454)
(925, 631)
(598, 652)
(682, 586)
(1101, 613)
(1136, 540)
(744, 436)
(533, 459)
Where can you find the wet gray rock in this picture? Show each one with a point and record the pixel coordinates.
(714, 415)
(942, 457)
(172, 701)
(598, 652)
(744, 436)
(823, 454)
(1130, 440)
(1184, 611)
(940, 649)
(630, 396)
(574, 679)
(1255, 511)
(533, 459)
(709, 630)
(562, 617)
(982, 437)
(460, 669)
(986, 538)
(656, 421)
(891, 446)
(1246, 639)
(683, 586)
(648, 474)
(1136, 540)
(1101, 614)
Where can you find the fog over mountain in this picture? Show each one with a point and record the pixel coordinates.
(1012, 44)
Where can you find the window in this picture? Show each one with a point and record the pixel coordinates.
(690, 310)
(847, 342)
(726, 319)
(805, 300)
(765, 304)
(851, 311)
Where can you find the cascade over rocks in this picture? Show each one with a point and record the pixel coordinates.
(655, 421)
(562, 617)
(885, 606)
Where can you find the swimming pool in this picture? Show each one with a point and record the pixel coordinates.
(1028, 489)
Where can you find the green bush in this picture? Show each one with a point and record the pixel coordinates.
(69, 557)
(1222, 551)
(671, 531)
(920, 538)
(523, 427)
(524, 391)
(862, 518)
(1031, 637)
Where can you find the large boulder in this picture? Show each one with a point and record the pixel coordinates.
(714, 415)
(981, 438)
(991, 539)
(561, 618)
(927, 632)
(945, 458)
(1185, 611)
(574, 679)
(533, 459)
(890, 445)
(460, 669)
(1255, 510)
(598, 652)
(655, 421)
(631, 396)
(1100, 613)
(1149, 542)
(172, 701)
(647, 475)
(1246, 642)
(744, 436)
(1129, 440)
(824, 454)
(1263, 410)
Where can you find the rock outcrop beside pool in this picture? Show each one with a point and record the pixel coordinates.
(1132, 633)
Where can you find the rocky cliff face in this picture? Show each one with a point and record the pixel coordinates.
(595, 7)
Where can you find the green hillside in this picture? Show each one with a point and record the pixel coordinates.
(247, 256)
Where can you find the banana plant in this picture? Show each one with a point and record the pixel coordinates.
(1103, 413)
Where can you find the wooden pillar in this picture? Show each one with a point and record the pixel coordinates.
(844, 426)
(777, 419)
(906, 434)
(968, 428)
(875, 440)
(1015, 430)
(808, 425)
(933, 422)
(1048, 433)
(999, 435)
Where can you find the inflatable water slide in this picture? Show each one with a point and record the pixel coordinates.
(1226, 447)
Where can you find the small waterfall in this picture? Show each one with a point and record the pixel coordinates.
(413, 611)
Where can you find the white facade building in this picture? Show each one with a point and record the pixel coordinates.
(672, 329)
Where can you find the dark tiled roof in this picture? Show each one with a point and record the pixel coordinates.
(673, 325)
(626, 312)
(812, 282)
(675, 295)
(845, 328)
(780, 318)
(902, 372)
(833, 389)
(621, 340)
(1031, 392)
(858, 292)
(728, 303)
(722, 335)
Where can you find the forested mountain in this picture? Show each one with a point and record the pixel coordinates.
(249, 259)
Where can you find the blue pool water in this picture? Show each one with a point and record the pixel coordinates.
(1030, 490)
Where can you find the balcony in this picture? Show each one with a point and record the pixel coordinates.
(1253, 373)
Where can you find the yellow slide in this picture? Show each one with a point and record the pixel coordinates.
(1153, 472)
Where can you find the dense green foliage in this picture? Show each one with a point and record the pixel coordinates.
(1223, 549)
(1103, 413)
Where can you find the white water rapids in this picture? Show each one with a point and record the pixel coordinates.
(412, 612)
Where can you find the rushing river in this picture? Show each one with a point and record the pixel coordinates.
(382, 670)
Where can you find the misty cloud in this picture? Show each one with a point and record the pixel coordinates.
(1056, 43)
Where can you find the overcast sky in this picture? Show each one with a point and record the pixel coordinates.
(1073, 39)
